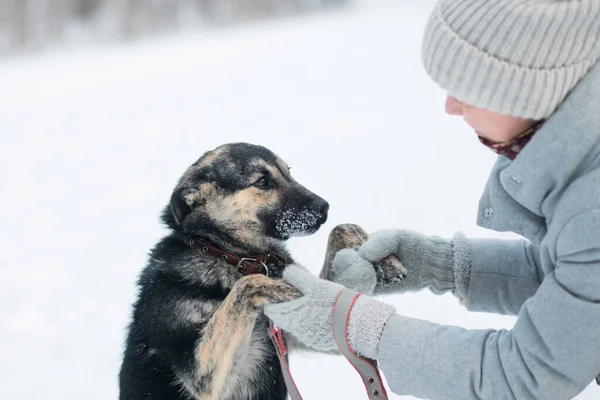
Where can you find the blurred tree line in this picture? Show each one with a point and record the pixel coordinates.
(31, 24)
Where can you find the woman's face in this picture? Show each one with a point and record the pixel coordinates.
(495, 127)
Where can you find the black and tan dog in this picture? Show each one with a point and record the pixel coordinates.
(198, 331)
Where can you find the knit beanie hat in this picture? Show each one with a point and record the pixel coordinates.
(514, 57)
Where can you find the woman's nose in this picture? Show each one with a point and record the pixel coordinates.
(453, 106)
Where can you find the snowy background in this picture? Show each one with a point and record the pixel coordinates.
(27, 25)
(94, 139)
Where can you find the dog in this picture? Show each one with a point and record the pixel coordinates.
(197, 328)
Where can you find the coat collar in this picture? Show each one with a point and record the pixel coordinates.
(562, 147)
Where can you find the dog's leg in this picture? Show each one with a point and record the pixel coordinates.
(228, 330)
(389, 270)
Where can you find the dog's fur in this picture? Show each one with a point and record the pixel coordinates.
(198, 331)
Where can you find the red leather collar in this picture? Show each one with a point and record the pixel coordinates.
(269, 264)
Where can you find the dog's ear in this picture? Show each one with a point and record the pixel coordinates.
(182, 202)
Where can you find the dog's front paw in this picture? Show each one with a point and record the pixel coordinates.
(258, 290)
(280, 291)
(344, 236)
(390, 271)
(350, 236)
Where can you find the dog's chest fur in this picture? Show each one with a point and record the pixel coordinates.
(256, 373)
(255, 367)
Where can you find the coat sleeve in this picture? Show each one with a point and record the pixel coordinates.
(552, 352)
(504, 274)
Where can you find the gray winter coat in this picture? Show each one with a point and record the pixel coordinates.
(550, 194)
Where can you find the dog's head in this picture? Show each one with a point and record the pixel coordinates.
(247, 193)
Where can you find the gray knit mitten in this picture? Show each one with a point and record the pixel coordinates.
(309, 318)
(441, 265)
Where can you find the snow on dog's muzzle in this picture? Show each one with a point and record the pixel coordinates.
(302, 222)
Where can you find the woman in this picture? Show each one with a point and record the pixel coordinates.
(524, 75)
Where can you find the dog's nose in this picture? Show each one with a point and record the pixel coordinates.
(321, 206)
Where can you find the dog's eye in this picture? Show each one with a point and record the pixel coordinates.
(262, 183)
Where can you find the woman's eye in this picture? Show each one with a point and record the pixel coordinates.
(262, 183)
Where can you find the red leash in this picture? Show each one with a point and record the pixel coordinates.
(277, 338)
(366, 368)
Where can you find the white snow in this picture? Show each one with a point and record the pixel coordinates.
(296, 223)
(94, 140)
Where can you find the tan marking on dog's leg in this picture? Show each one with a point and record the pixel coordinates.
(230, 326)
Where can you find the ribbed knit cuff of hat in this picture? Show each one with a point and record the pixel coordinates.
(515, 57)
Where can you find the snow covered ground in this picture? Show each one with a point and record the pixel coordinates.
(93, 141)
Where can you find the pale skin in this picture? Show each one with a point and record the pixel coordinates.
(493, 126)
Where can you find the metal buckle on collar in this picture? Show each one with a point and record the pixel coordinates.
(277, 263)
(241, 265)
